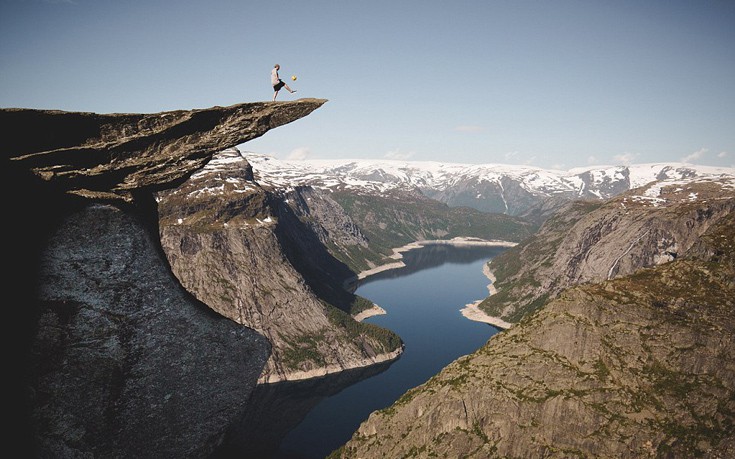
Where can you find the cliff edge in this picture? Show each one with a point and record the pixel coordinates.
(113, 156)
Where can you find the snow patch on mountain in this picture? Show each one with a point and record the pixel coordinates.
(472, 184)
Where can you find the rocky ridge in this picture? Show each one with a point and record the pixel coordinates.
(637, 366)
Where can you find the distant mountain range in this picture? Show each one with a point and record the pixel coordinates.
(501, 188)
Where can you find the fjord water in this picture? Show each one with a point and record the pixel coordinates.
(308, 420)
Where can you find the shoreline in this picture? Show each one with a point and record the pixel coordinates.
(329, 369)
(473, 312)
(398, 253)
(375, 310)
(470, 311)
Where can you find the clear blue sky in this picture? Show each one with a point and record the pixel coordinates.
(555, 84)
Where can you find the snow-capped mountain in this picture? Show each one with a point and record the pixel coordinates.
(500, 188)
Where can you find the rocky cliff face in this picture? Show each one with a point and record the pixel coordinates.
(114, 156)
(332, 225)
(125, 361)
(591, 241)
(114, 357)
(637, 366)
(257, 257)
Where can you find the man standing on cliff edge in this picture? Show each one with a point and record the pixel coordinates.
(277, 82)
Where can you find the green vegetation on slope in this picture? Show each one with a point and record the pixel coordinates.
(305, 350)
(514, 269)
(359, 304)
(387, 340)
(396, 219)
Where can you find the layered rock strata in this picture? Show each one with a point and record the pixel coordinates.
(114, 156)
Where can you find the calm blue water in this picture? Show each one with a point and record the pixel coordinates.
(422, 303)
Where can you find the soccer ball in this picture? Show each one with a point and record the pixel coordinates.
(293, 77)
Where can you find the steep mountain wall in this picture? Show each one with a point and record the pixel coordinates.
(333, 226)
(501, 195)
(245, 252)
(638, 366)
(122, 352)
(591, 241)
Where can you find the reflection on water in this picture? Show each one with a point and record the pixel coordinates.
(433, 255)
(309, 419)
(274, 409)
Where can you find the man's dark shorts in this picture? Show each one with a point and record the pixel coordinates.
(279, 85)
